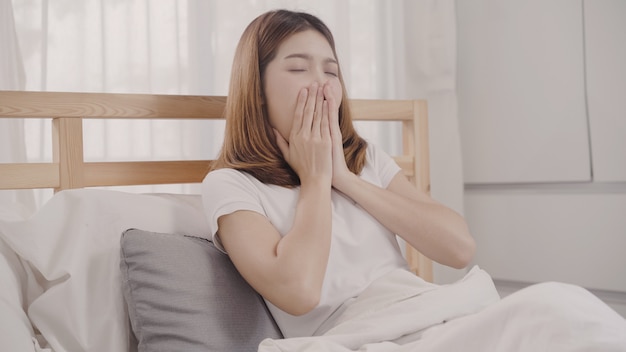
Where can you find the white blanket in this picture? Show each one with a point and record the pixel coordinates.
(400, 312)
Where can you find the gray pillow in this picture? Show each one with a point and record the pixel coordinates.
(183, 294)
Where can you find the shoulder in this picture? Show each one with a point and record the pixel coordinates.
(226, 176)
(225, 181)
(224, 173)
(225, 191)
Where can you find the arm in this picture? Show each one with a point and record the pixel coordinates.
(289, 270)
(430, 227)
(433, 229)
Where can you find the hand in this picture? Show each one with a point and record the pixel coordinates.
(309, 150)
(341, 173)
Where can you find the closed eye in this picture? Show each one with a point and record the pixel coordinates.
(332, 73)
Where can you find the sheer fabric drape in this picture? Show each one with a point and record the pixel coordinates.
(388, 49)
(12, 77)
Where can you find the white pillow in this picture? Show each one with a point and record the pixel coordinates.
(73, 245)
(17, 331)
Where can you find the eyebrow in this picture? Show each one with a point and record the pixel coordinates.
(309, 57)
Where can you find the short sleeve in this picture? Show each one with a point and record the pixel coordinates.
(386, 168)
(226, 191)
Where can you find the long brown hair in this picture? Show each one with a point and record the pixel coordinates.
(249, 144)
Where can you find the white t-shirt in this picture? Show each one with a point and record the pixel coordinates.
(361, 249)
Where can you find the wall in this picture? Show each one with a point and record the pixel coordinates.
(542, 115)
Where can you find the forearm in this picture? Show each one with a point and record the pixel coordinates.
(288, 270)
(433, 229)
(302, 254)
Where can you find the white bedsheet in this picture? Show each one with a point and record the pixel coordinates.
(401, 313)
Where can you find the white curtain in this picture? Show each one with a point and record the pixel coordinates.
(12, 147)
(421, 64)
(431, 72)
(389, 49)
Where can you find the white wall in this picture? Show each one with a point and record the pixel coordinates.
(543, 128)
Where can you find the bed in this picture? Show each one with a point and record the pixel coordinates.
(103, 270)
(61, 267)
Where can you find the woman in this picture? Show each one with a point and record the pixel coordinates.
(293, 169)
(305, 208)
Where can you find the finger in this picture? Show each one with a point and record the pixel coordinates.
(317, 116)
(325, 124)
(333, 112)
(309, 109)
(282, 144)
(299, 112)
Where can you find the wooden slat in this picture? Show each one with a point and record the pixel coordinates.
(148, 106)
(406, 162)
(108, 105)
(144, 172)
(421, 149)
(415, 141)
(99, 174)
(382, 110)
(424, 266)
(166, 172)
(67, 151)
(29, 175)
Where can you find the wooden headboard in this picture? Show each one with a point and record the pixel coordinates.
(68, 169)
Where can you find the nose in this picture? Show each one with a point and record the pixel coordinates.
(320, 77)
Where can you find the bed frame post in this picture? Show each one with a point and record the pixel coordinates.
(415, 141)
(67, 151)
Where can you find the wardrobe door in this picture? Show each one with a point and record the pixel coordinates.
(521, 91)
(605, 48)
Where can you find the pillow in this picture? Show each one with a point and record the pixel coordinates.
(70, 249)
(183, 294)
(17, 290)
(17, 332)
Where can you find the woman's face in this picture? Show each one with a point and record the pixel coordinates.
(300, 60)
